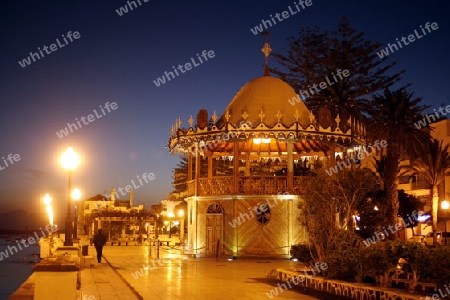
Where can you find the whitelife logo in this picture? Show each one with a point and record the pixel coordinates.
(188, 66)
(71, 36)
(356, 158)
(380, 235)
(296, 280)
(11, 157)
(281, 17)
(128, 188)
(427, 119)
(90, 118)
(323, 85)
(411, 38)
(31, 240)
(124, 9)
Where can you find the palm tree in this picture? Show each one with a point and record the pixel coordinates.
(393, 115)
(434, 163)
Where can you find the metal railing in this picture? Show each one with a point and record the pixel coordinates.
(251, 185)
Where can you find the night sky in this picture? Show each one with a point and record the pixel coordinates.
(117, 58)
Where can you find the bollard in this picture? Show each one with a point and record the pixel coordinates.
(84, 250)
(217, 249)
(157, 250)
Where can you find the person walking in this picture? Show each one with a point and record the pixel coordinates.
(99, 242)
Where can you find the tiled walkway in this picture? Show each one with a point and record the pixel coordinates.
(102, 282)
(173, 277)
(129, 273)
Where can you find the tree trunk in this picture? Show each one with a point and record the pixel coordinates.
(390, 184)
(434, 190)
(414, 281)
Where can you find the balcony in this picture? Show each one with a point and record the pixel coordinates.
(247, 185)
(420, 185)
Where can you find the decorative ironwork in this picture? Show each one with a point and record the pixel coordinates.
(263, 214)
(214, 208)
(247, 185)
(215, 186)
(261, 115)
(266, 49)
(338, 120)
(279, 115)
(245, 116)
(262, 184)
(227, 115)
(296, 115)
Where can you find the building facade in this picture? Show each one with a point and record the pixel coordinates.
(246, 168)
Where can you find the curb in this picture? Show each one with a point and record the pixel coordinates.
(123, 279)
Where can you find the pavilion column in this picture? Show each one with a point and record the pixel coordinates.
(247, 165)
(189, 174)
(235, 166)
(197, 172)
(210, 166)
(235, 231)
(290, 165)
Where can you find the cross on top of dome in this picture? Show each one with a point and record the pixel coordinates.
(266, 49)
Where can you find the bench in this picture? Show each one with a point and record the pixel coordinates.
(153, 243)
(399, 277)
(427, 284)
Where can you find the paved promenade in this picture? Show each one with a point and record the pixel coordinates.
(175, 277)
(102, 282)
(129, 273)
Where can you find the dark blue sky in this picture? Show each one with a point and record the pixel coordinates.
(117, 58)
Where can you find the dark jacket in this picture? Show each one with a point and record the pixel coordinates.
(99, 240)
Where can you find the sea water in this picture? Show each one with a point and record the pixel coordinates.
(17, 267)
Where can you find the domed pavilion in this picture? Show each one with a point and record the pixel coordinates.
(245, 168)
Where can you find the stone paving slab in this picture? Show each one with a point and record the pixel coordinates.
(173, 277)
(102, 282)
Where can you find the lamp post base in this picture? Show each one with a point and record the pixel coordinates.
(68, 234)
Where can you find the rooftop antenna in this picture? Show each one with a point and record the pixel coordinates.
(266, 50)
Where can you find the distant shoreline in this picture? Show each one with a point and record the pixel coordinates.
(17, 231)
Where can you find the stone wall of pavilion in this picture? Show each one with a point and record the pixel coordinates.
(241, 234)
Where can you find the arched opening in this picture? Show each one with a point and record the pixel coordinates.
(214, 228)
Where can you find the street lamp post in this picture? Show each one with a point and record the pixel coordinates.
(76, 195)
(170, 215)
(157, 227)
(69, 161)
(181, 215)
(445, 205)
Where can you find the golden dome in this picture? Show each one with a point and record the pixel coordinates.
(267, 98)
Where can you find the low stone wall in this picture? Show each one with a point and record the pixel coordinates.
(356, 291)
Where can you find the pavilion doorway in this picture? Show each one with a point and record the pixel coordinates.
(214, 228)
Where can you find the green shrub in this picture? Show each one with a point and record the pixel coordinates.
(344, 257)
(378, 261)
(304, 253)
(439, 267)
